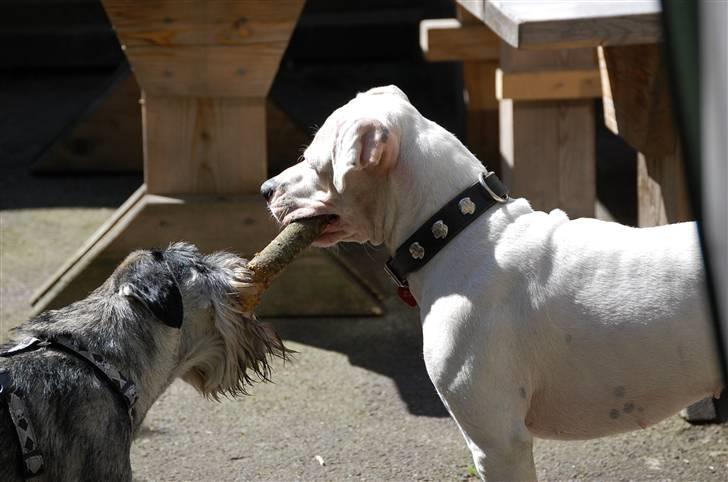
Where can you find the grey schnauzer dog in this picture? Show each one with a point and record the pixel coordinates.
(77, 388)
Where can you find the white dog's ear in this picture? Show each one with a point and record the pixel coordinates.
(366, 144)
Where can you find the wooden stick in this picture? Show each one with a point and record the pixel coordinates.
(279, 253)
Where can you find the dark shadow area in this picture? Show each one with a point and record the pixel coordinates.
(390, 345)
(616, 172)
(20, 189)
(37, 108)
(57, 60)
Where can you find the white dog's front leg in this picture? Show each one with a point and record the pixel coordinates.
(495, 431)
(498, 463)
(484, 387)
(499, 456)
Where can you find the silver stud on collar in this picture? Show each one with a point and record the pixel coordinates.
(467, 206)
(416, 250)
(439, 230)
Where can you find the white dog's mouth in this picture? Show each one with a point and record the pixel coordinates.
(306, 213)
(333, 233)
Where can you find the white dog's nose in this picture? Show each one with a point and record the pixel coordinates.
(268, 188)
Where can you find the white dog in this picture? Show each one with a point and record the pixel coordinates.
(534, 325)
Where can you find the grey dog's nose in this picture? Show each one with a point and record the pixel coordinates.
(268, 188)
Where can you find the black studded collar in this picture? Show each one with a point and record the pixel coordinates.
(444, 225)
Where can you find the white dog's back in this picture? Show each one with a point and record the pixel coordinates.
(620, 317)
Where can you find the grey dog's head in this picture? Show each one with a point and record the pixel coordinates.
(219, 345)
(172, 313)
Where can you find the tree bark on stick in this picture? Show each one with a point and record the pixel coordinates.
(279, 253)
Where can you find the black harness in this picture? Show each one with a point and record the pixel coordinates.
(443, 226)
(121, 385)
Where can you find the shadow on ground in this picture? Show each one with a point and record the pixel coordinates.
(389, 345)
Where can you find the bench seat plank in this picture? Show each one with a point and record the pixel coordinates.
(539, 24)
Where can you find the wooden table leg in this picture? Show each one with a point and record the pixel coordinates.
(637, 107)
(204, 144)
(205, 69)
(466, 39)
(547, 127)
(482, 106)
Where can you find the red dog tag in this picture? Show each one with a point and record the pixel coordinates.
(406, 295)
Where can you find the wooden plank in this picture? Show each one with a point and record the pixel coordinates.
(550, 25)
(638, 107)
(286, 140)
(637, 104)
(447, 39)
(480, 85)
(548, 154)
(577, 157)
(610, 118)
(195, 22)
(548, 85)
(136, 225)
(482, 135)
(240, 224)
(482, 112)
(514, 60)
(474, 8)
(662, 193)
(204, 145)
(193, 48)
(207, 71)
(548, 146)
(107, 139)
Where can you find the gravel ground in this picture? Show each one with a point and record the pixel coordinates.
(356, 396)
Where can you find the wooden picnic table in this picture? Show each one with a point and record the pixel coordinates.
(205, 69)
(554, 58)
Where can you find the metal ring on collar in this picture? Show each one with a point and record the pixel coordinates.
(481, 178)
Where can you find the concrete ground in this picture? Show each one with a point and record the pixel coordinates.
(355, 404)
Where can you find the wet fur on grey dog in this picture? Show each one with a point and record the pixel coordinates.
(83, 431)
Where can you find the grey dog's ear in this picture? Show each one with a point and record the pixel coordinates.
(365, 144)
(154, 286)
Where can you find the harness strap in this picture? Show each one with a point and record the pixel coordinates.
(119, 383)
(32, 458)
(27, 441)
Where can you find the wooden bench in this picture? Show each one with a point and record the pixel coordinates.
(530, 115)
(205, 69)
(634, 83)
